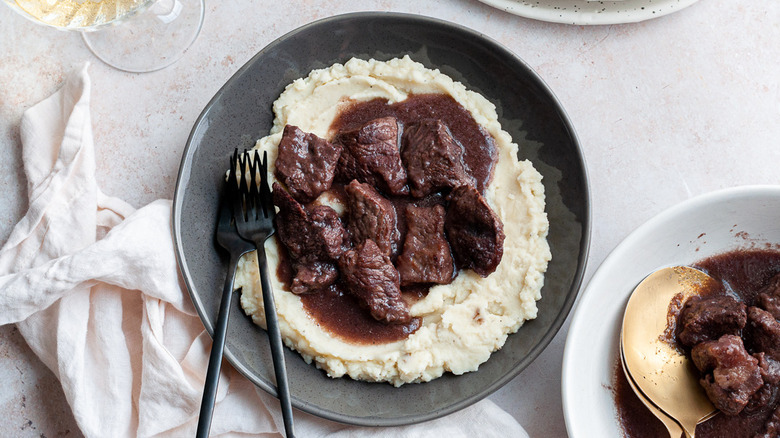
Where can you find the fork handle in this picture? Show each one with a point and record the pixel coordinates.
(217, 349)
(275, 338)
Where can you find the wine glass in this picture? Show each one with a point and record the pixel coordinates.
(132, 35)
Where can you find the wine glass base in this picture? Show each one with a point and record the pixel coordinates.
(150, 40)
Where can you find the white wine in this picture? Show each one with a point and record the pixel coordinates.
(77, 14)
(153, 34)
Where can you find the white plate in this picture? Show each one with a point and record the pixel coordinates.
(698, 228)
(585, 12)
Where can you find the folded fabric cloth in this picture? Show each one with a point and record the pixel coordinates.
(94, 288)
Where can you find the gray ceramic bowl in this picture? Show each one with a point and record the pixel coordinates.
(241, 112)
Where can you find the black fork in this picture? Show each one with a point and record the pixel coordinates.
(227, 236)
(255, 222)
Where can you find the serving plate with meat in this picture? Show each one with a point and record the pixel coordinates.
(241, 113)
(729, 332)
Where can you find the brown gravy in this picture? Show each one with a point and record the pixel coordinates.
(480, 151)
(340, 314)
(637, 421)
(742, 274)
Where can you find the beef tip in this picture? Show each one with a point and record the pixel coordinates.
(770, 368)
(315, 233)
(426, 256)
(768, 297)
(707, 319)
(371, 216)
(327, 232)
(369, 275)
(765, 396)
(371, 155)
(314, 239)
(433, 159)
(312, 275)
(475, 232)
(306, 164)
(289, 220)
(762, 332)
(317, 269)
(731, 376)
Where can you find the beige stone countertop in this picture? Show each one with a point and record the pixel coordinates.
(665, 109)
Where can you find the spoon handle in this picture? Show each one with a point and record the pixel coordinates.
(675, 431)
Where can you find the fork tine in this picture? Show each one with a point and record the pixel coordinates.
(238, 173)
(233, 169)
(233, 163)
(260, 177)
(264, 167)
(265, 190)
(253, 186)
(244, 185)
(242, 167)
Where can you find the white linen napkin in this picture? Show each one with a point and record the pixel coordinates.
(94, 288)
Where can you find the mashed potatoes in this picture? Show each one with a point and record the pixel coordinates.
(462, 322)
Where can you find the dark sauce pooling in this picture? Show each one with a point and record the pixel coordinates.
(742, 275)
(340, 313)
(637, 421)
(479, 149)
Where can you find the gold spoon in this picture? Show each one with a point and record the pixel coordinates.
(674, 429)
(662, 372)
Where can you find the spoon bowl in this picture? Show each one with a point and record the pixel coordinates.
(658, 367)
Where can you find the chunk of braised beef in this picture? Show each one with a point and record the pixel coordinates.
(475, 232)
(768, 297)
(308, 233)
(765, 396)
(328, 233)
(731, 375)
(426, 256)
(770, 368)
(371, 216)
(433, 159)
(314, 240)
(708, 318)
(768, 394)
(290, 218)
(306, 163)
(762, 332)
(317, 269)
(312, 275)
(369, 275)
(371, 155)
